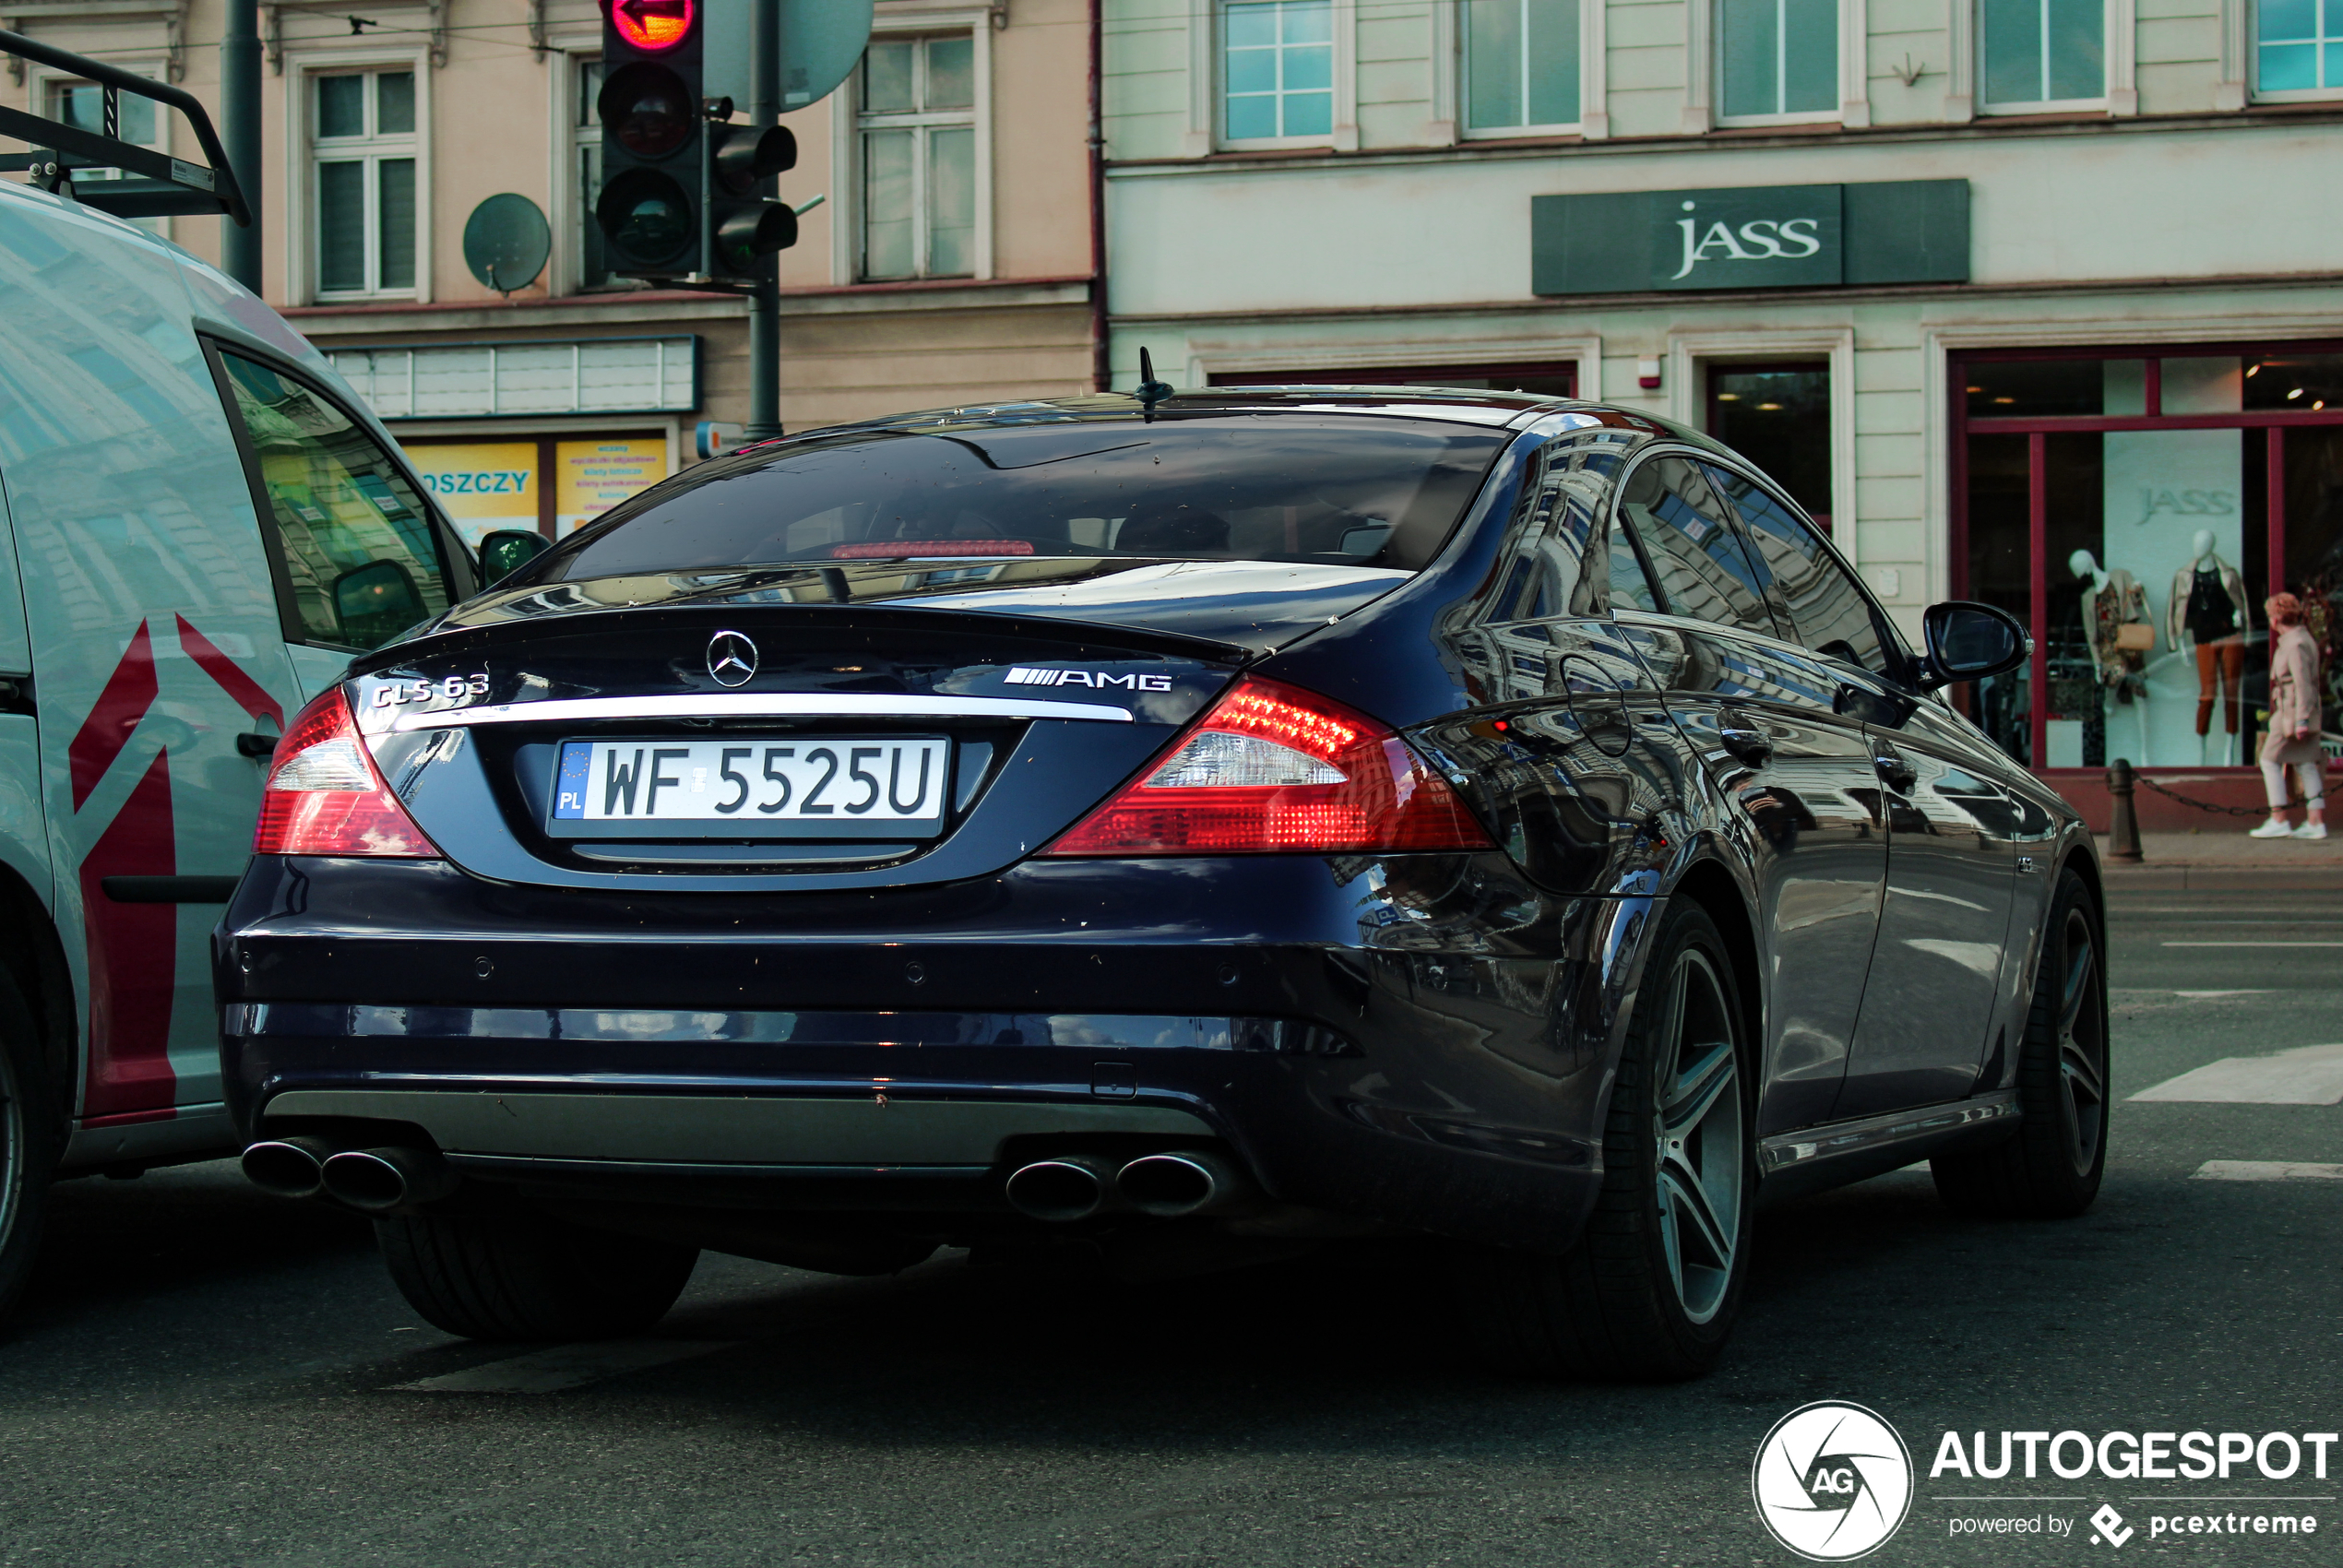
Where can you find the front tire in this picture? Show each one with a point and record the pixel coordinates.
(2052, 1167)
(512, 1274)
(29, 1144)
(1649, 1291)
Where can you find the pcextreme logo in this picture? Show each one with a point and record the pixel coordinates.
(1832, 1481)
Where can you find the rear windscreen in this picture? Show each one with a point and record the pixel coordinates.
(1352, 491)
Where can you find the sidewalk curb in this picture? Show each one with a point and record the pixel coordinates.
(2153, 878)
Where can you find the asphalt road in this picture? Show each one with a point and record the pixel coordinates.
(206, 1376)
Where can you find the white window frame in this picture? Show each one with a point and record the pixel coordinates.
(1703, 65)
(2250, 13)
(37, 94)
(846, 148)
(1690, 355)
(300, 181)
(2118, 49)
(1590, 46)
(1830, 114)
(1207, 109)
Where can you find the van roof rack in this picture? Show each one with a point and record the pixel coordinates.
(153, 184)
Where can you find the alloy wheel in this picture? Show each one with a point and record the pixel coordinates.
(13, 1153)
(2082, 1043)
(1698, 1128)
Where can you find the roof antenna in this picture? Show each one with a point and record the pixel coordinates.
(1149, 391)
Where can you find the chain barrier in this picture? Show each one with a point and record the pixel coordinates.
(2202, 805)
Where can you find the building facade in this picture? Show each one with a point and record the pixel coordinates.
(949, 262)
(2012, 294)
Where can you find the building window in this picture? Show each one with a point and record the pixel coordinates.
(82, 106)
(363, 135)
(1778, 418)
(1521, 65)
(2299, 46)
(2043, 54)
(1778, 58)
(586, 159)
(1278, 70)
(918, 125)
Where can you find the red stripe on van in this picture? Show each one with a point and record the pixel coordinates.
(242, 689)
(130, 691)
(133, 953)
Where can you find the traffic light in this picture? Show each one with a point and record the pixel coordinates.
(686, 196)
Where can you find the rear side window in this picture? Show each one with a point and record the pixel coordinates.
(1704, 572)
(1365, 491)
(361, 558)
(1826, 607)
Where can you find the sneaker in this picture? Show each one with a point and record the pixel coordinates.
(2310, 830)
(2276, 830)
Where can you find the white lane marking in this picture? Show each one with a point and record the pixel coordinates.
(2254, 944)
(2265, 1170)
(2310, 1075)
(564, 1366)
(2202, 993)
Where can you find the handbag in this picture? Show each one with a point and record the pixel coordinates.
(2135, 636)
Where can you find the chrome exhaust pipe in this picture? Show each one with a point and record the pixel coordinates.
(1060, 1190)
(1180, 1183)
(377, 1181)
(291, 1167)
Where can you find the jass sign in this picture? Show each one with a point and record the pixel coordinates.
(1751, 237)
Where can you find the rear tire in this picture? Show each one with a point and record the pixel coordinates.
(1649, 1291)
(2050, 1167)
(514, 1274)
(29, 1144)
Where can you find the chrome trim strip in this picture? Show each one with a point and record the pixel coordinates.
(1784, 1150)
(755, 705)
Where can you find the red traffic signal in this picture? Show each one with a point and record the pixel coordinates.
(654, 25)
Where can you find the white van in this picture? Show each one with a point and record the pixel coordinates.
(199, 524)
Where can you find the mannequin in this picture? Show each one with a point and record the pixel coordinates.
(2208, 605)
(2115, 600)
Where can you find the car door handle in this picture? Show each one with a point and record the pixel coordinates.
(1739, 734)
(1894, 770)
(254, 743)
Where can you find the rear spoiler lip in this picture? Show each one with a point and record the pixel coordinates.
(172, 185)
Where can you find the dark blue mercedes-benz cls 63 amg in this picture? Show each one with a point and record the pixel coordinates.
(1181, 828)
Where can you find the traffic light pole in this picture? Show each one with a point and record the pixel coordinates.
(764, 301)
(240, 123)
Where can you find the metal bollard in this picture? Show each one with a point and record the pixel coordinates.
(2124, 823)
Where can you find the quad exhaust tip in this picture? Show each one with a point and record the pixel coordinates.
(377, 1181)
(291, 1167)
(1065, 1188)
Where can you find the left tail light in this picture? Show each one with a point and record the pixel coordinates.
(324, 796)
(1273, 769)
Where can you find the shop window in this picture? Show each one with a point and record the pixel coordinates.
(1778, 418)
(2040, 55)
(2297, 47)
(360, 556)
(916, 120)
(2135, 512)
(1276, 70)
(82, 106)
(1776, 59)
(1540, 379)
(1521, 65)
(362, 131)
(552, 484)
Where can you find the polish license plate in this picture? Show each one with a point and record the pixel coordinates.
(828, 786)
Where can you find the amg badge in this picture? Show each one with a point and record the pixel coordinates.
(1022, 675)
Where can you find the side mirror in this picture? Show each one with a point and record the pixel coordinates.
(506, 551)
(1968, 641)
(375, 602)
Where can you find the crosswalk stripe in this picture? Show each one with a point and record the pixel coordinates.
(2265, 1170)
(2310, 1075)
(564, 1366)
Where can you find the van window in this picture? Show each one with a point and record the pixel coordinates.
(359, 553)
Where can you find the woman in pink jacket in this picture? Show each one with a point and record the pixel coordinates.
(2292, 738)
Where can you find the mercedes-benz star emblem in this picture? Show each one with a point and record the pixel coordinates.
(731, 659)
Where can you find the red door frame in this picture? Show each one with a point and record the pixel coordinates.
(2037, 428)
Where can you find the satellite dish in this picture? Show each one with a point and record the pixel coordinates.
(822, 42)
(506, 241)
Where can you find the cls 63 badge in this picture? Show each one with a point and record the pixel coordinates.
(454, 688)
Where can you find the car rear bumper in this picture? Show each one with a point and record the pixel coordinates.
(1421, 1041)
